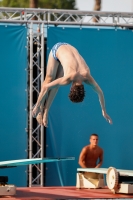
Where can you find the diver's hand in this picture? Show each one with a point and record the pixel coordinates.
(36, 110)
(107, 117)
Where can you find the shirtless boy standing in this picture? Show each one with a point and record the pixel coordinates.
(91, 155)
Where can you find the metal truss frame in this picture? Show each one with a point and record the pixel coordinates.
(36, 69)
(65, 17)
(36, 77)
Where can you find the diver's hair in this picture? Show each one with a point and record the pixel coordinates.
(93, 134)
(77, 93)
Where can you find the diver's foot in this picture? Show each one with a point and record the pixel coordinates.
(39, 118)
(45, 119)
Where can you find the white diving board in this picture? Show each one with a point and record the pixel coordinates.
(118, 180)
(15, 163)
(121, 172)
(94, 170)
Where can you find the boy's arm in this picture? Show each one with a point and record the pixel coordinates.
(45, 89)
(98, 90)
(58, 82)
(100, 159)
(82, 158)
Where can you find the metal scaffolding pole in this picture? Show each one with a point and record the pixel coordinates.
(38, 61)
(42, 79)
(31, 102)
(36, 132)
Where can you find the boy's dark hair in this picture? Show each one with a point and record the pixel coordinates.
(93, 134)
(77, 93)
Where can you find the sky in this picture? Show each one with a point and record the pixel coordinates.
(107, 5)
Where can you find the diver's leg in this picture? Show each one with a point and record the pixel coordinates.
(51, 96)
(43, 114)
(52, 68)
(42, 118)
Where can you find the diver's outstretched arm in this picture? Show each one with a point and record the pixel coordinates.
(98, 90)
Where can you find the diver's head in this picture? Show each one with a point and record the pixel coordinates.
(77, 93)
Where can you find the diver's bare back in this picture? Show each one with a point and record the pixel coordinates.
(71, 60)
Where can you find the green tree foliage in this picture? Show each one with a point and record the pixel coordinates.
(58, 4)
(15, 3)
(46, 4)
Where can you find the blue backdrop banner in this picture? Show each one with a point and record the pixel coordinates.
(13, 101)
(108, 52)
